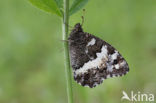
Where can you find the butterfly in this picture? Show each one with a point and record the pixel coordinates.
(92, 59)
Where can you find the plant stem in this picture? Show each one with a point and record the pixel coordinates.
(66, 51)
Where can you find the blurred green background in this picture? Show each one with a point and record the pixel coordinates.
(31, 51)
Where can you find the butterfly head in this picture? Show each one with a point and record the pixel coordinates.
(78, 28)
(77, 33)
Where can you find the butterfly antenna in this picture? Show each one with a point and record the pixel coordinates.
(83, 17)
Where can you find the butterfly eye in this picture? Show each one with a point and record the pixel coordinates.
(115, 61)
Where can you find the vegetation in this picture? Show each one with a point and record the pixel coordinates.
(31, 51)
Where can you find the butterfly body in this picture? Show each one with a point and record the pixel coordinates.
(93, 59)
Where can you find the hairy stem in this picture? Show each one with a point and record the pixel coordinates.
(66, 51)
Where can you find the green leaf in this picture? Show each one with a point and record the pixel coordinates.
(52, 6)
(60, 5)
(77, 5)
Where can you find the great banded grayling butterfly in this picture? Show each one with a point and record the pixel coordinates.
(93, 59)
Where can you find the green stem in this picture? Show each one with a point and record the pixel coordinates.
(66, 51)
